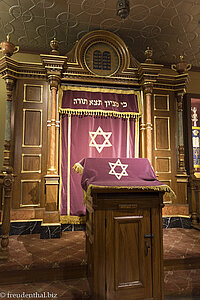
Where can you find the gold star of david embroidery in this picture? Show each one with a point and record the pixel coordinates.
(118, 164)
(106, 142)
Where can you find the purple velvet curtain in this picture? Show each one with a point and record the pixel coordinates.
(85, 136)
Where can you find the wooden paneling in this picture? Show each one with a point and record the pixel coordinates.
(128, 263)
(128, 267)
(30, 143)
(32, 128)
(164, 131)
(33, 93)
(163, 164)
(124, 244)
(31, 163)
(161, 102)
(30, 193)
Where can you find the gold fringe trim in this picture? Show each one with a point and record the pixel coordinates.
(72, 220)
(98, 113)
(101, 90)
(159, 188)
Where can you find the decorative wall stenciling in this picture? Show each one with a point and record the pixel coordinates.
(174, 30)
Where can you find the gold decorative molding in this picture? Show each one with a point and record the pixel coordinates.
(19, 70)
(72, 219)
(32, 155)
(24, 115)
(54, 64)
(107, 37)
(71, 67)
(39, 189)
(148, 87)
(169, 164)
(168, 133)
(78, 67)
(167, 102)
(33, 85)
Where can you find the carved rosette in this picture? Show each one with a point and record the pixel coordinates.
(7, 182)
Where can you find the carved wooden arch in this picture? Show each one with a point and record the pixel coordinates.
(109, 38)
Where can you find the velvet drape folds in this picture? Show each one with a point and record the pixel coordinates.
(96, 123)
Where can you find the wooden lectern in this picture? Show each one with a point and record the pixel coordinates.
(124, 241)
(124, 244)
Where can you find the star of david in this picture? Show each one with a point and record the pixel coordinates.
(118, 164)
(106, 142)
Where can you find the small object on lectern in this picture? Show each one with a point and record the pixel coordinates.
(8, 48)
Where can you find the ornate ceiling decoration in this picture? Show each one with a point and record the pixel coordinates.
(169, 27)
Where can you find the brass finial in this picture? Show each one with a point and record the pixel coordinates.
(54, 44)
(148, 53)
(181, 67)
(8, 48)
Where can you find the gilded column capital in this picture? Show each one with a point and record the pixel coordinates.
(54, 81)
(179, 99)
(10, 84)
(54, 66)
(148, 87)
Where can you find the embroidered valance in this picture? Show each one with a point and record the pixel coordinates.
(99, 102)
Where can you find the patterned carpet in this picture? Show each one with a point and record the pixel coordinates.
(73, 289)
(29, 252)
(58, 266)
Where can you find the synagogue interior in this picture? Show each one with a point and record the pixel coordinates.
(100, 149)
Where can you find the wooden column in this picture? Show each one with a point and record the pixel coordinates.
(52, 177)
(142, 132)
(54, 65)
(7, 163)
(52, 160)
(148, 89)
(148, 75)
(181, 158)
(7, 172)
(181, 175)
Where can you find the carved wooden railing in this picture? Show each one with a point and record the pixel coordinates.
(6, 181)
(195, 200)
